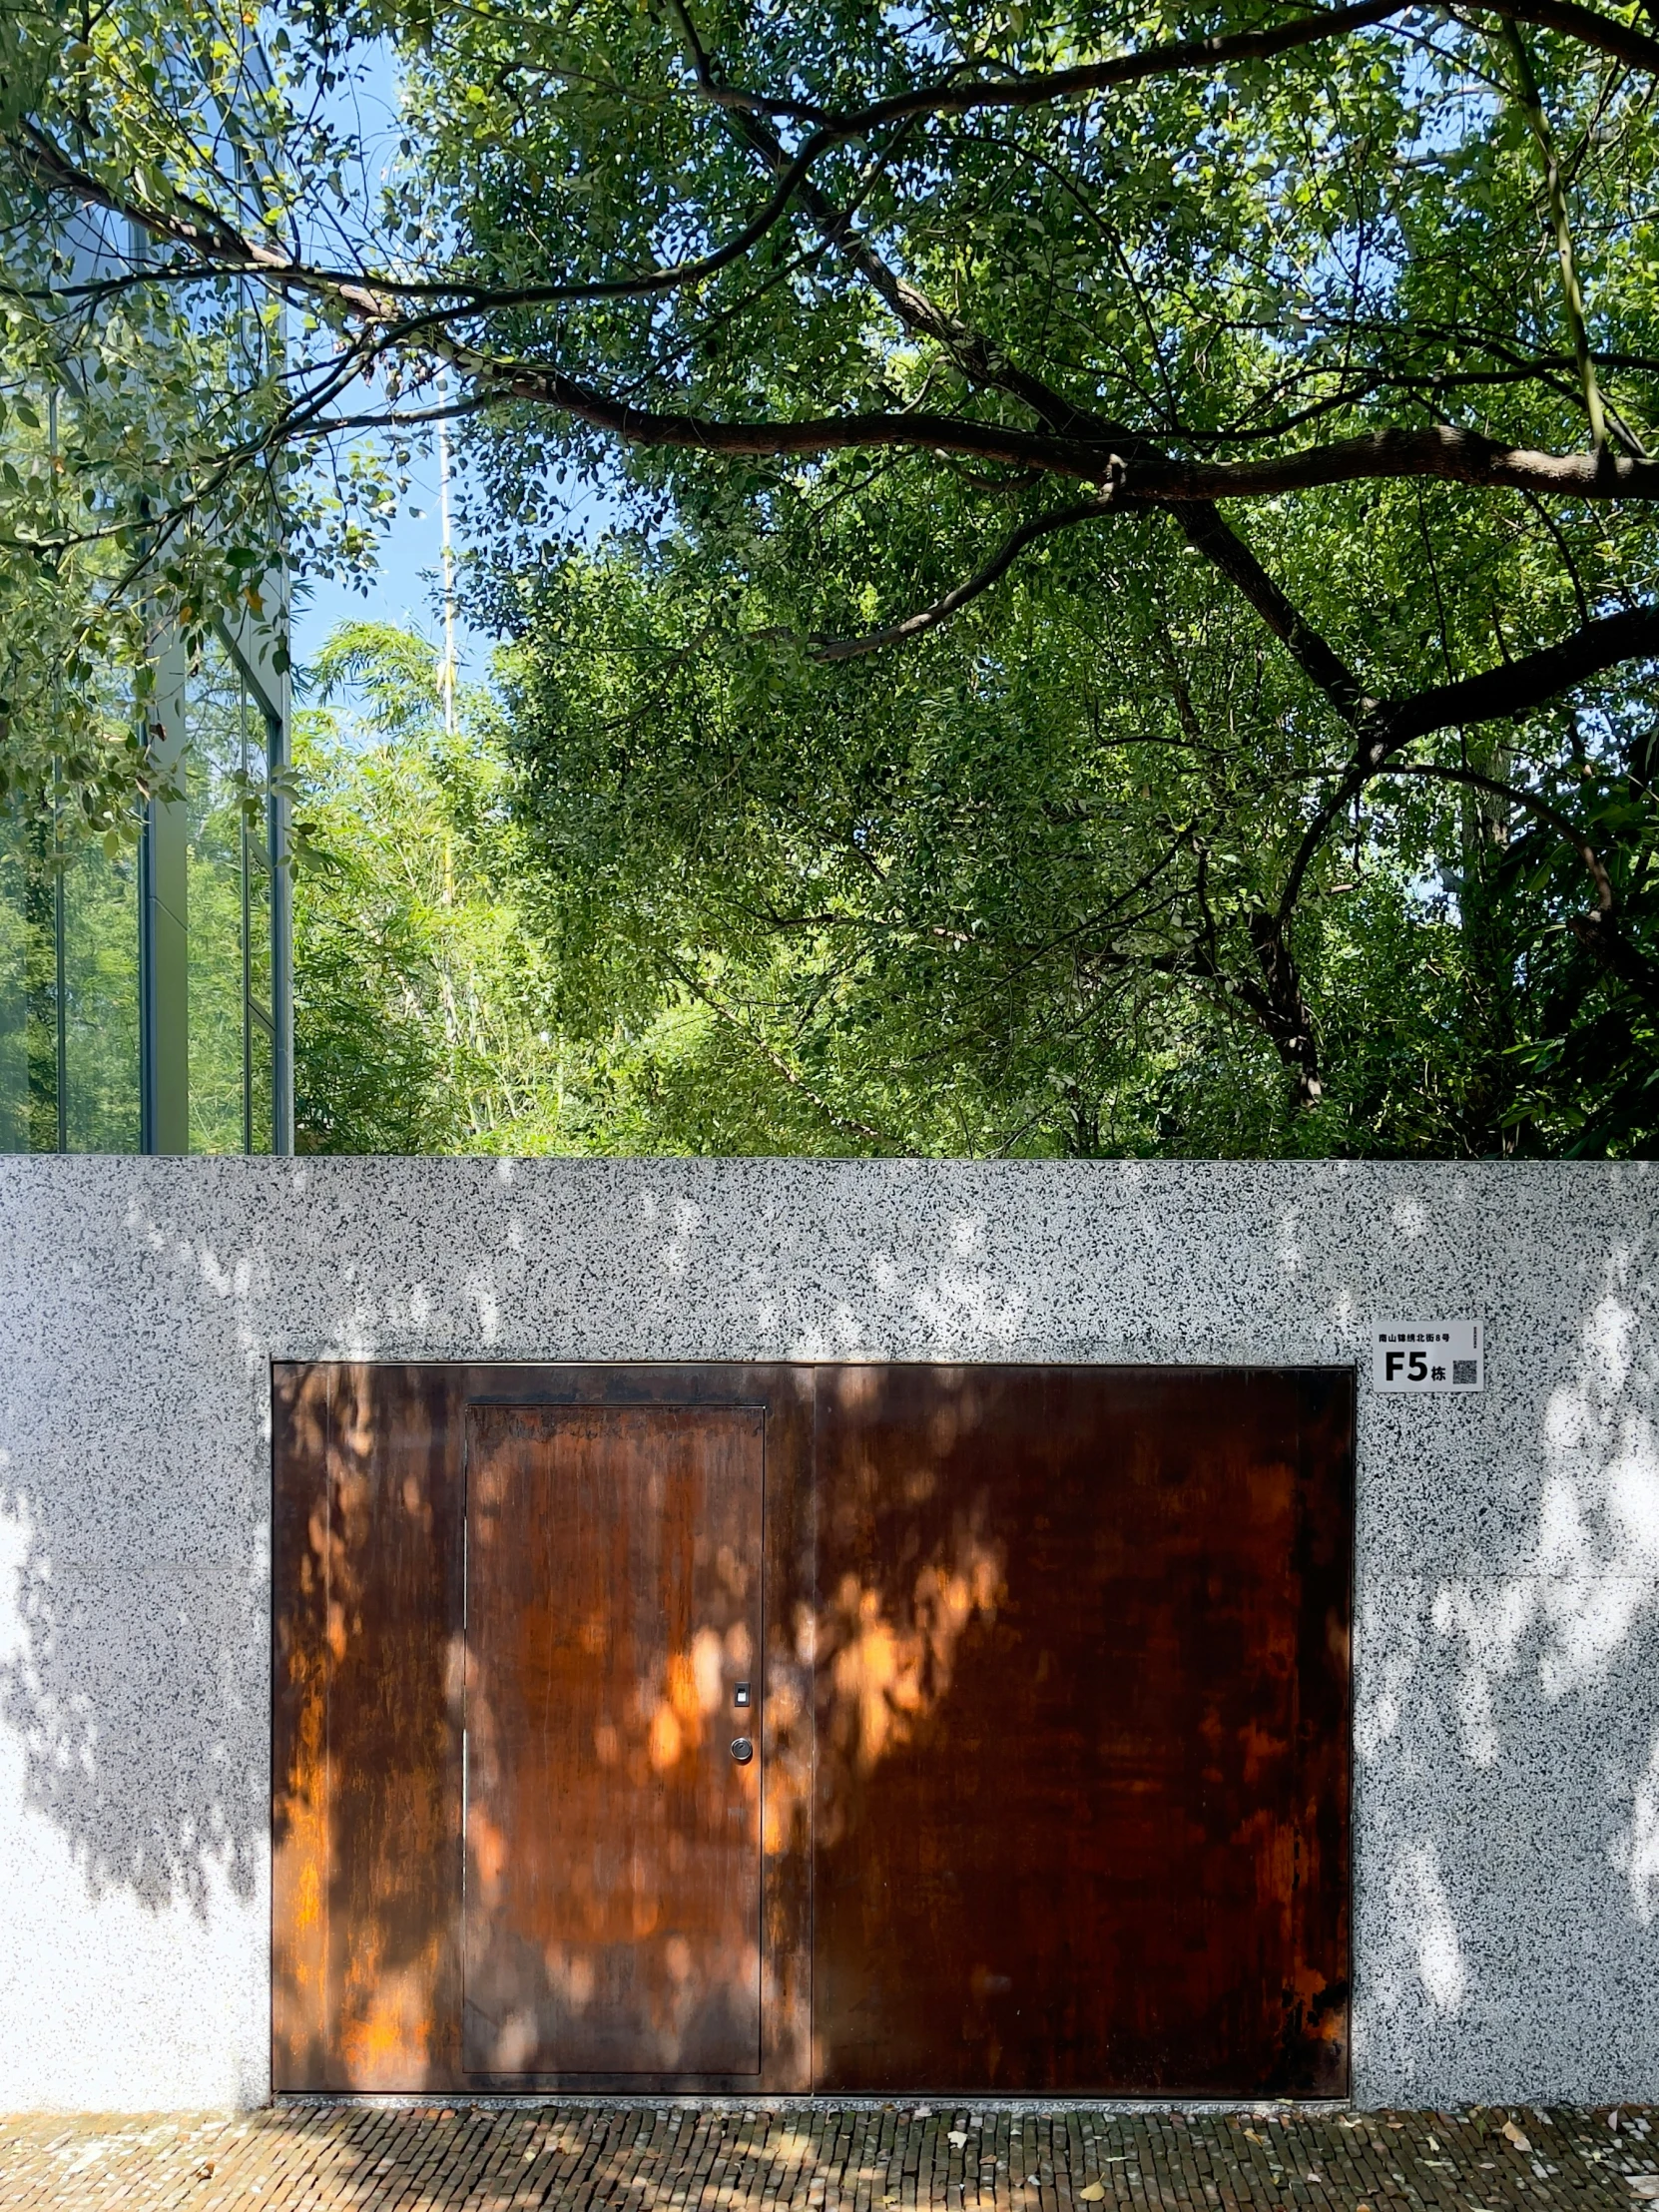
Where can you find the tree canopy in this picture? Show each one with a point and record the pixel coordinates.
(423, 1003)
(1156, 499)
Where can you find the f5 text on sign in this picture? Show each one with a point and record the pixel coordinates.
(1420, 1355)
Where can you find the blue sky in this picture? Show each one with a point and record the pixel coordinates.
(404, 588)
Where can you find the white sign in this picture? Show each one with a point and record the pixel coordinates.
(1427, 1356)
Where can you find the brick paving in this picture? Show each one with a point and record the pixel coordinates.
(828, 2156)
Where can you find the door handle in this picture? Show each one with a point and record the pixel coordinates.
(742, 1750)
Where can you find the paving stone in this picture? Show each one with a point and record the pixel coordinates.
(830, 2156)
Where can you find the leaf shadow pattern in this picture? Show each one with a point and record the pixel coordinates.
(133, 1625)
(1081, 1691)
(1507, 1738)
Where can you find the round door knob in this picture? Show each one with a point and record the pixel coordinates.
(742, 1750)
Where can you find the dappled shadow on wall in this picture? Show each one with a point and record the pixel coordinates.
(133, 1699)
(1507, 1727)
(134, 1545)
(1505, 1697)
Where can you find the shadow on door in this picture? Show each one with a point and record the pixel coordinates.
(612, 1913)
(1048, 1671)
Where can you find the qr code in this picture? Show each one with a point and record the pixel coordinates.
(1462, 1371)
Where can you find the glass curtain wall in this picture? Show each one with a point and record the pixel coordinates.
(144, 999)
(231, 837)
(69, 995)
(76, 1000)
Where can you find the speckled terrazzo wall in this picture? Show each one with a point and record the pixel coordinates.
(1506, 1727)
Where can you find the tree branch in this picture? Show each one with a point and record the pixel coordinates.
(1500, 694)
(1044, 88)
(1587, 25)
(1435, 771)
(1599, 932)
(1210, 535)
(1556, 193)
(1453, 455)
(1078, 445)
(202, 230)
(929, 618)
(1458, 456)
(1048, 87)
(1204, 527)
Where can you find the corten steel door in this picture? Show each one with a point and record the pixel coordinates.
(1050, 1785)
(1082, 1730)
(612, 1921)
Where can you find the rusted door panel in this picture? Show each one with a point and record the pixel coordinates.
(612, 1916)
(1082, 1733)
(783, 1688)
(395, 1739)
(299, 1666)
(367, 1751)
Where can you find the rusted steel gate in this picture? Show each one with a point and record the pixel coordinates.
(854, 1728)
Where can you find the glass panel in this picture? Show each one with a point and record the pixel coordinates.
(14, 998)
(261, 1057)
(258, 869)
(101, 1001)
(38, 885)
(213, 727)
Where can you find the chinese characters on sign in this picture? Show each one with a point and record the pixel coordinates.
(1427, 1356)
